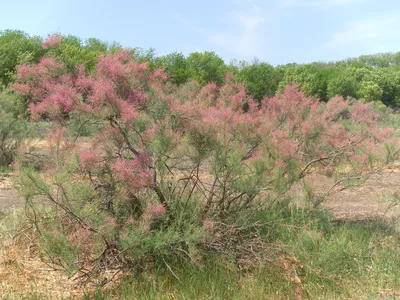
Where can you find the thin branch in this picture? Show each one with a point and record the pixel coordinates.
(210, 196)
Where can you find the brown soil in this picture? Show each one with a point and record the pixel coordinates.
(370, 200)
(24, 276)
(8, 195)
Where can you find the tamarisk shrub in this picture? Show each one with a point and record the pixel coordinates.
(166, 162)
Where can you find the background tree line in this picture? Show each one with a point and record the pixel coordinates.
(368, 78)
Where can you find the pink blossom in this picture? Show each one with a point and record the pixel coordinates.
(363, 113)
(208, 224)
(140, 68)
(57, 134)
(154, 211)
(127, 111)
(52, 41)
(160, 74)
(135, 173)
(150, 133)
(90, 160)
(131, 220)
(280, 164)
(82, 239)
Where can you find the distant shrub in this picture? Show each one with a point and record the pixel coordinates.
(13, 126)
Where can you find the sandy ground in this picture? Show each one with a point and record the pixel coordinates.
(8, 195)
(371, 200)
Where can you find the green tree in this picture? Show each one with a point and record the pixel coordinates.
(206, 67)
(16, 47)
(174, 64)
(13, 127)
(370, 91)
(311, 78)
(72, 51)
(260, 80)
(342, 83)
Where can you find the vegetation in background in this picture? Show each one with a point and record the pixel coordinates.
(13, 126)
(373, 78)
(16, 47)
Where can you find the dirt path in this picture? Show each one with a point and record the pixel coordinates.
(8, 195)
(369, 200)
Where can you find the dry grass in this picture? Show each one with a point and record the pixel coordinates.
(23, 275)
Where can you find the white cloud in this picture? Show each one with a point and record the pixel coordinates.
(371, 30)
(249, 22)
(288, 2)
(318, 3)
(187, 24)
(244, 41)
(332, 3)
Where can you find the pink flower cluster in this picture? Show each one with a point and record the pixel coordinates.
(90, 160)
(82, 239)
(154, 211)
(53, 41)
(135, 173)
(287, 127)
(115, 88)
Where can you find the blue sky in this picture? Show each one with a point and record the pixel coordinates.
(276, 31)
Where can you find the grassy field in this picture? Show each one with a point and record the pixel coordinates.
(312, 257)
